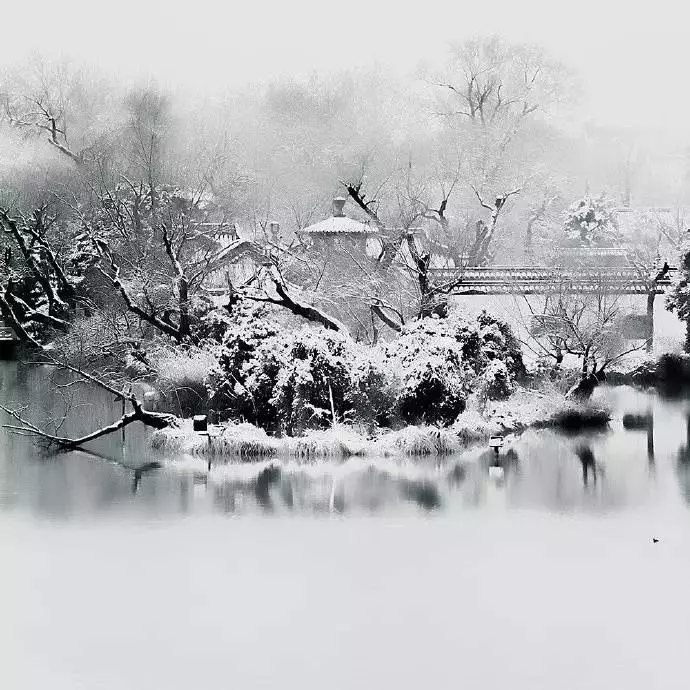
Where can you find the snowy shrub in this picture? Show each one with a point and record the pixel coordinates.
(418, 440)
(314, 380)
(471, 427)
(440, 361)
(241, 380)
(499, 343)
(434, 375)
(214, 325)
(374, 388)
(433, 391)
(291, 381)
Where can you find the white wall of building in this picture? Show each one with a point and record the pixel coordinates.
(669, 331)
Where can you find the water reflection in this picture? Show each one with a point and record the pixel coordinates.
(683, 464)
(538, 472)
(633, 421)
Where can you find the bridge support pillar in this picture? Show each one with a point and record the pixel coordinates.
(650, 320)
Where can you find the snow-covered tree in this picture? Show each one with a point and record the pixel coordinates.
(591, 222)
(678, 298)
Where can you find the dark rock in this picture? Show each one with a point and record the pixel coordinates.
(636, 421)
(576, 418)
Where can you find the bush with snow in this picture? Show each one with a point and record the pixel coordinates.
(313, 378)
(441, 361)
(374, 388)
(242, 379)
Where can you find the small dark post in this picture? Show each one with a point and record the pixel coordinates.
(496, 442)
(200, 424)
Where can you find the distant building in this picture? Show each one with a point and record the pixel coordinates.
(341, 232)
(234, 255)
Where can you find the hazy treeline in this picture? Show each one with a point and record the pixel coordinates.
(493, 119)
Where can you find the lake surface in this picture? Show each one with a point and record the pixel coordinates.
(369, 573)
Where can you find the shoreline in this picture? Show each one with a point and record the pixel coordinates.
(246, 442)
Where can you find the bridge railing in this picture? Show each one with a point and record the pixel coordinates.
(506, 279)
(540, 273)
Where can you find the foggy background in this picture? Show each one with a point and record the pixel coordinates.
(303, 95)
(631, 57)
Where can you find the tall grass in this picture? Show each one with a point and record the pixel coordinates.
(248, 441)
(419, 440)
(181, 376)
(232, 440)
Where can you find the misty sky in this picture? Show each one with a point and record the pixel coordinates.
(633, 62)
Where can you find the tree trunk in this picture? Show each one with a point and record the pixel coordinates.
(378, 312)
(584, 388)
(14, 323)
(183, 301)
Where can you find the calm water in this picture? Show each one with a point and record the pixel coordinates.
(378, 573)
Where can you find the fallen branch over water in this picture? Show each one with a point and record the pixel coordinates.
(26, 427)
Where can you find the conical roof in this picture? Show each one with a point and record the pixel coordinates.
(338, 224)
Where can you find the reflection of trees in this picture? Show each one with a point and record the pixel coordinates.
(372, 490)
(508, 461)
(268, 477)
(650, 439)
(589, 464)
(457, 474)
(642, 422)
(424, 493)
